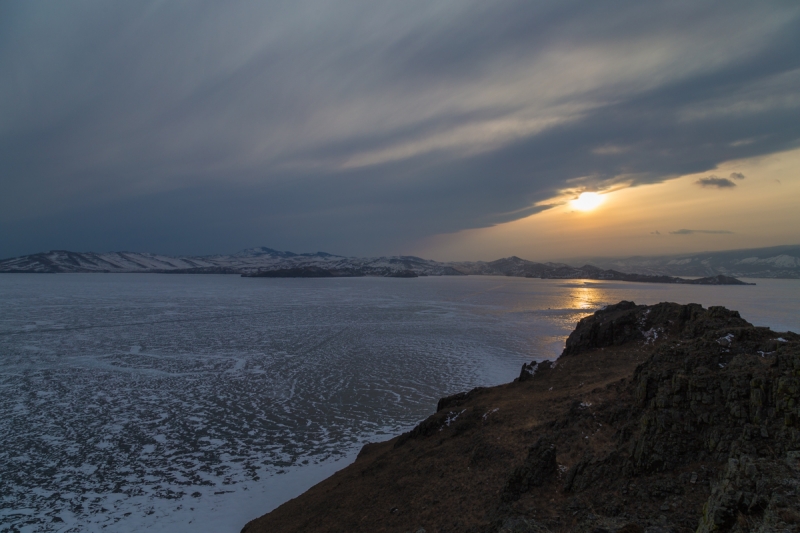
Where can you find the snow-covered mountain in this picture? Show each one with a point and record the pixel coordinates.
(65, 261)
(773, 262)
(778, 262)
(247, 261)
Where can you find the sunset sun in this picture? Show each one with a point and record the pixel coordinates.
(587, 201)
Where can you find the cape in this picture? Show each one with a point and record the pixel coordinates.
(663, 418)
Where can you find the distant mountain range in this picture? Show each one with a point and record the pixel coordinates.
(249, 261)
(778, 262)
(773, 262)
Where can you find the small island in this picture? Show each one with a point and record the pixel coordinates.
(318, 272)
(298, 272)
(592, 272)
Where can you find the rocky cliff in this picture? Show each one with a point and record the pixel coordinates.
(654, 419)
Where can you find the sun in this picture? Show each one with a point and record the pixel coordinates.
(587, 201)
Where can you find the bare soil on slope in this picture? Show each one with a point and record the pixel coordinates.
(655, 418)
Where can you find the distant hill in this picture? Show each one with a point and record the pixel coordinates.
(249, 261)
(269, 263)
(773, 262)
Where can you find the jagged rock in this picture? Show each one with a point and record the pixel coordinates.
(663, 418)
(529, 370)
(538, 467)
(455, 400)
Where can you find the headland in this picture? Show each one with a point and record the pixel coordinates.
(663, 418)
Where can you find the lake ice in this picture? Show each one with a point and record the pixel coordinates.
(188, 402)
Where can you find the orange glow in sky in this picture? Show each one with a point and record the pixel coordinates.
(756, 208)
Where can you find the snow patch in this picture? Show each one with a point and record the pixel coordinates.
(651, 335)
(487, 413)
(726, 340)
(452, 416)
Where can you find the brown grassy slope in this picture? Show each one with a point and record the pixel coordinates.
(627, 431)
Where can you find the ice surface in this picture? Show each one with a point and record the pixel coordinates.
(184, 402)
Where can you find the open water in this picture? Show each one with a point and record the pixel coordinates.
(155, 402)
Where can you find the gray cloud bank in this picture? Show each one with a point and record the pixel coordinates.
(200, 127)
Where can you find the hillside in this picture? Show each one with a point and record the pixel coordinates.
(665, 418)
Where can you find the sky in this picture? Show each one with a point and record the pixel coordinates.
(450, 130)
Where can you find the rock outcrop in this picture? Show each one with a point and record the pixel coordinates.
(664, 418)
(715, 390)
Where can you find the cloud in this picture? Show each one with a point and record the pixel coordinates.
(314, 125)
(693, 231)
(720, 183)
(714, 181)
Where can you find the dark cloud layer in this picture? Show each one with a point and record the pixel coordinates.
(193, 127)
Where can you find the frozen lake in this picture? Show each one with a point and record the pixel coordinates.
(197, 402)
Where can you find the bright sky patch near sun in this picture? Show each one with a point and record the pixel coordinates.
(675, 216)
(587, 201)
